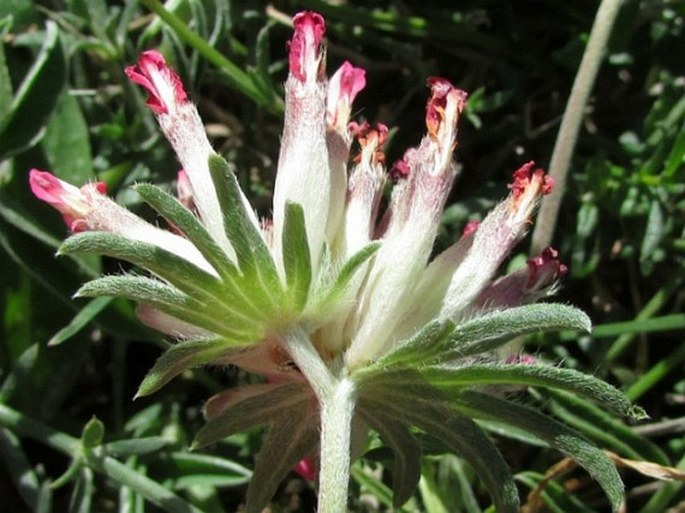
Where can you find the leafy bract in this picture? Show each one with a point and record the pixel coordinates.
(422, 407)
(181, 357)
(296, 258)
(254, 258)
(443, 341)
(598, 465)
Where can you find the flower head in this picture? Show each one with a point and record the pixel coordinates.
(336, 301)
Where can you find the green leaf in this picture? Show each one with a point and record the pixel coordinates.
(296, 259)
(82, 495)
(80, 320)
(93, 433)
(419, 350)
(454, 379)
(349, 270)
(494, 329)
(273, 403)
(674, 161)
(671, 322)
(19, 468)
(606, 430)
(654, 233)
(421, 406)
(127, 476)
(189, 470)
(176, 270)
(373, 484)
(430, 492)
(172, 301)
(20, 376)
(405, 447)
(73, 471)
(136, 446)
(67, 143)
(181, 357)
(254, 257)
(35, 98)
(5, 86)
(179, 216)
(289, 439)
(592, 459)
(441, 341)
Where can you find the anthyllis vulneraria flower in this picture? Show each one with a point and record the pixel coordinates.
(335, 300)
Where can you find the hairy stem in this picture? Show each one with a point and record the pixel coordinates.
(336, 425)
(310, 363)
(571, 121)
(337, 396)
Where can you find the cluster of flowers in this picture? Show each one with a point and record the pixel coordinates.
(335, 299)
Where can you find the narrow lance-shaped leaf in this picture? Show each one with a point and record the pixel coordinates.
(181, 357)
(492, 330)
(176, 270)
(80, 320)
(192, 469)
(595, 423)
(457, 378)
(442, 341)
(592, 459)
(349, 270)
(256, 410)
(296, 259)
(167, 299)
(421, 406)
(179, 216)
(183, 219)
(290, 438)
(415, 352)
(405, 447)
(35, 98)
(254, 257)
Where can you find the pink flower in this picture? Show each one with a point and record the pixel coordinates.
(89, 209)
(307, 469)
(162, 83)
(343, 88)
(306, 54)
(73, 203)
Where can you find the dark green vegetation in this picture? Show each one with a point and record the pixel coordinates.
(66, 106)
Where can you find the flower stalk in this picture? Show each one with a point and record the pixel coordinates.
(336, 428)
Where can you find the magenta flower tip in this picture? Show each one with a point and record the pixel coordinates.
(470, 228)
(162, 82)
(401, 169)
(343, 88)
(371, 141)
(443, 93)
(306, 468)
(527, 177)
(305, 46)
(73, 203)
(545, 269)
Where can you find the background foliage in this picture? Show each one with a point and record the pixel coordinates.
(66, 106)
